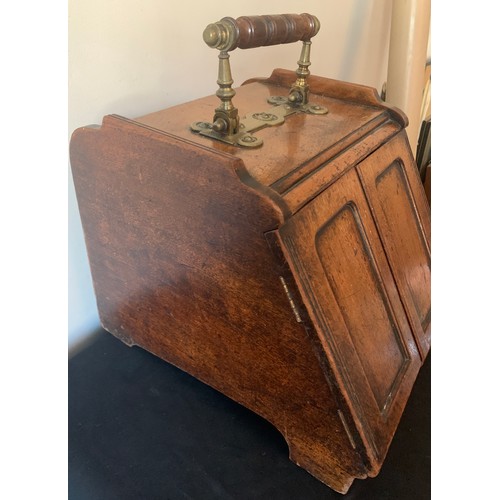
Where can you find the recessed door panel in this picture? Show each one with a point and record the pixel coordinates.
(400, 212)
(352, 274)
(346, 284)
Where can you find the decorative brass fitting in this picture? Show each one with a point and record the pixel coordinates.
(226, 120)
(299, 93)
(222, 35)
(255, 31)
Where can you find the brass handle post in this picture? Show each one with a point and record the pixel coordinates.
(249, 32)
(299, 93)
(226, 119)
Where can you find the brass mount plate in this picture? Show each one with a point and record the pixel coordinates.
(256, 121)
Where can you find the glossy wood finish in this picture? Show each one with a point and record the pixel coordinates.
(344, 277)
(394, 190)
(181, 267)
(300, 146)
(258, 31)
(286, 277)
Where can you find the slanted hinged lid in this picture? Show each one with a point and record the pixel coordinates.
(304, 147)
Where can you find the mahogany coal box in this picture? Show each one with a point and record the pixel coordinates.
(293, 277)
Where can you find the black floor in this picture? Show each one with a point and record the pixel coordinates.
(141, 429)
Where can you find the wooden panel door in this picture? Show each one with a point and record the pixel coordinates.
(399, 206)
(347, 286)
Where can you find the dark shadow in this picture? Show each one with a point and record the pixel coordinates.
(140, 428)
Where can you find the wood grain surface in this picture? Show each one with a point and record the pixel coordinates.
(294, 278)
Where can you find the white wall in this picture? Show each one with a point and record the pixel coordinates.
(132, 57)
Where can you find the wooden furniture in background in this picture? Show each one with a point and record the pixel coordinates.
(294, 278)
(427, 183)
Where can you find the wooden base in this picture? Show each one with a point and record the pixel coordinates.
(326, 470)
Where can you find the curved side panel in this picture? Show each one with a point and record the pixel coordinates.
(181, 267)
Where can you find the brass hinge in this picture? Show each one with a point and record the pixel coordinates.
(290, 299)
(256, 121)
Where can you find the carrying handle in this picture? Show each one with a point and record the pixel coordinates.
(247, 32)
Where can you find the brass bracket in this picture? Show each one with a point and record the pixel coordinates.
(230, 33)
(256, 121)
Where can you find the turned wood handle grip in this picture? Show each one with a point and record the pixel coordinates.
(248, 32)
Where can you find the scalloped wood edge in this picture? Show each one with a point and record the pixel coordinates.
(328, 87)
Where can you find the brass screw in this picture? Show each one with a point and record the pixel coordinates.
(219, 125)
(249, 138)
